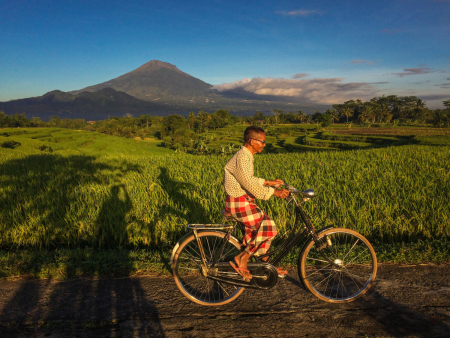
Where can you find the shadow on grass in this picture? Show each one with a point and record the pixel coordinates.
(46, 186)
(40, 194)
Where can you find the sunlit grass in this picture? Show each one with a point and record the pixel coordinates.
(134, 201)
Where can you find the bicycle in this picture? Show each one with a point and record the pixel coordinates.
(335, 264)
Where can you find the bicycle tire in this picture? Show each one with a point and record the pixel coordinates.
(187, 270)
(352, 272)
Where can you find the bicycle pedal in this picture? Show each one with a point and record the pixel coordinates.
(282, 276)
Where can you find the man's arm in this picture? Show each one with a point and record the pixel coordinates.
(254, 185)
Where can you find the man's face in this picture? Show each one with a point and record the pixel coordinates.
(258, 143)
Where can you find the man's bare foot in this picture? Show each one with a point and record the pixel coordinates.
(246, 275)
(282, 271)
(241, 261)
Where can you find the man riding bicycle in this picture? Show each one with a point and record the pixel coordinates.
(242, 187)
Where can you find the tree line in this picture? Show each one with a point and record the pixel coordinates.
(385, 109)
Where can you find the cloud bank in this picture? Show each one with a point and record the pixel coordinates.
(321, 91)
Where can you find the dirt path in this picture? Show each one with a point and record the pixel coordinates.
(406, 301)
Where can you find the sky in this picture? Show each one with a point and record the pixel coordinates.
(321, 51)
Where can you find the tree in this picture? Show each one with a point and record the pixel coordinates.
(174, 122)
(441, 118)
(54, 121)
(446, 103)
(324, 119)
(276, 113)
(367, 113)
(382, 112)
(202, 121)
(300, 115)
(220, 119)
(191, 120)
(145, 121)
(289, 117)
(4, 119)
(333, 114)
(316, 117)
(35, 122)
(258, 117)
(347, 112)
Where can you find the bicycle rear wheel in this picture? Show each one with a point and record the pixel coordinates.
(188, 270)
(339, 273)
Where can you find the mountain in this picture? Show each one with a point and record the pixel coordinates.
(153, 81)
(156, 88)
(88, 105)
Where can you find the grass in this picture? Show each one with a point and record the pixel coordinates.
(311, 137)
(67, 141)
(63, 264)
(85, 210)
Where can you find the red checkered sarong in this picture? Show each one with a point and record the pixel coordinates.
(260, 230)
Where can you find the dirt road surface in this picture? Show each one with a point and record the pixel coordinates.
(407, 301)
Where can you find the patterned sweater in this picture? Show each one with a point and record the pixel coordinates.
(239, 179)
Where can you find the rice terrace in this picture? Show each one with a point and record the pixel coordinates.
(96, 201)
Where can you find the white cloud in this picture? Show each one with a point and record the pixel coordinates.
(301, 12)
(324, 91)
(367, 62)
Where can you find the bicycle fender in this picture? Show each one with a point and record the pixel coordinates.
(182, 239)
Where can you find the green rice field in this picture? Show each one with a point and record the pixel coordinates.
(102, 194)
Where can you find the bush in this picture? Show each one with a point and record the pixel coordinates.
(45, 148)
(10, 144)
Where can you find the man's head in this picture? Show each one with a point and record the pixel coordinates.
(254, 139)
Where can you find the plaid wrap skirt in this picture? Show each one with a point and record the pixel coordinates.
(260, 230)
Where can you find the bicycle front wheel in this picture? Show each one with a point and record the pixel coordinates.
(188, 269)
(342, 271)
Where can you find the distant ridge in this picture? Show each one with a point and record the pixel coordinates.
(88, 105)
(153, 81)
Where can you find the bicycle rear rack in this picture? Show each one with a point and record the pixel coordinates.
(210, 226)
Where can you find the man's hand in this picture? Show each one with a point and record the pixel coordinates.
(275, 183)
(281, 193)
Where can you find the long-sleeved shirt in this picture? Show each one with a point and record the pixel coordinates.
(239, 179)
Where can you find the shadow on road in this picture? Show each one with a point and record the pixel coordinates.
(399, 320)
(83, 307)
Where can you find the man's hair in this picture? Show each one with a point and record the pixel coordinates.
(252, 132)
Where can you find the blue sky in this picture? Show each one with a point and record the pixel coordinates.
(324, 51)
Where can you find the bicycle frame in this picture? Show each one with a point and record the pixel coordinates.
(293, 239)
